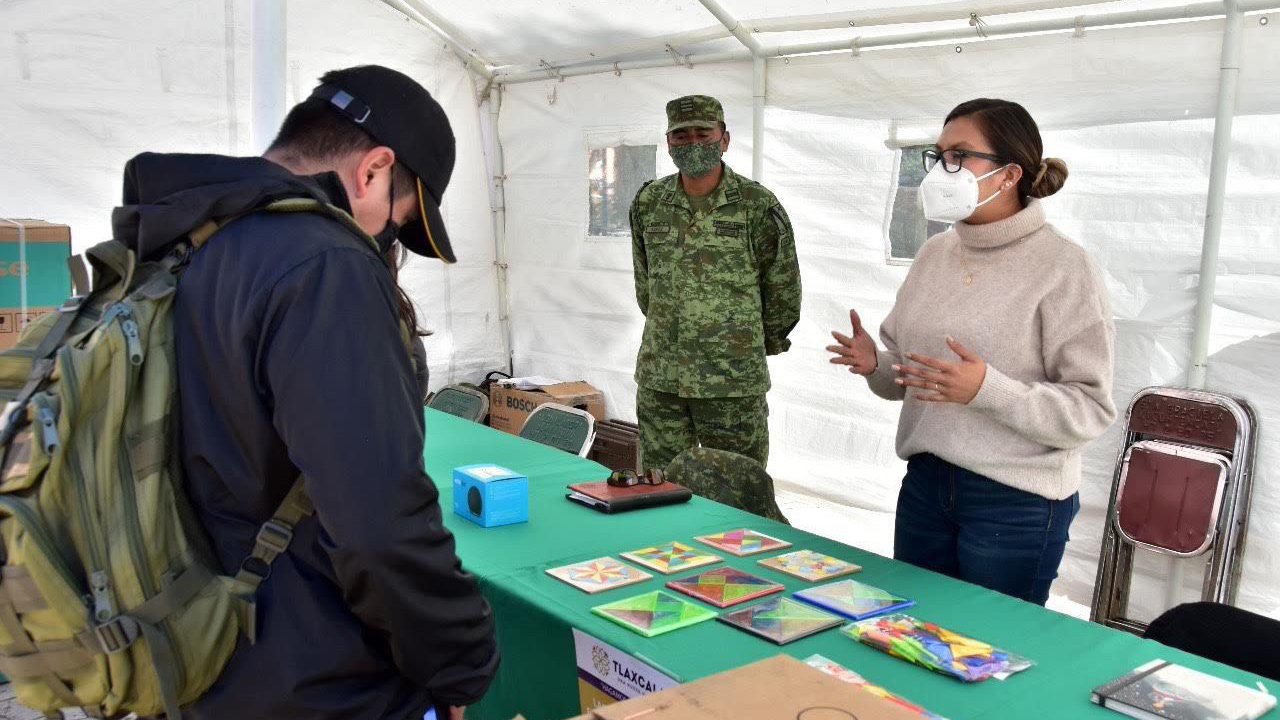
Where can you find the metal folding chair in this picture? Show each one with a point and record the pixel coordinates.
(461, 400)
(1181, 489)
(561, 426)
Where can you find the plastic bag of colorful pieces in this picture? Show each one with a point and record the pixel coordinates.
(932, 646)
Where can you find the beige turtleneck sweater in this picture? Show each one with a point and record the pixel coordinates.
(1037, 313)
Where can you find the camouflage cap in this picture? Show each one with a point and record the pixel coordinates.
(694, 111)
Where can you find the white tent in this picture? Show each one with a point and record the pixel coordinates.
(821, 96)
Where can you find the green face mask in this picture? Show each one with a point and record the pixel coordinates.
(696, 159)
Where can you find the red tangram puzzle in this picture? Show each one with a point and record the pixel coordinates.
(725, 586)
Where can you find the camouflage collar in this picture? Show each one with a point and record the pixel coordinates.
(727, 192)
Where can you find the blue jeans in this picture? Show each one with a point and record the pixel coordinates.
(968, 526)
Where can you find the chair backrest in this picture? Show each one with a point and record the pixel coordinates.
(562, 427)
(1221, 632)
(729, 478)
(460, 400)
(1182, 488)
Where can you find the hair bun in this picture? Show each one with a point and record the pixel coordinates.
(1050, 178)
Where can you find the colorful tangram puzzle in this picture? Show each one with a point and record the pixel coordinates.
(810, 565)
(781, 619)
(941, 650)
(600, 574)
(743, 541)
(671, 557)
(654, 613)
(854, 599)
(841, 672)
(725, 586)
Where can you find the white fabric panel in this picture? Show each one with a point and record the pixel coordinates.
(569, 31)
(88, 89)
(1170, 72)
(1135, 199)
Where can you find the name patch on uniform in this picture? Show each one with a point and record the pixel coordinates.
(729, 228)
(658, 228)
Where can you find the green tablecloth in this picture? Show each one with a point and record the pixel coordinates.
(535, 611)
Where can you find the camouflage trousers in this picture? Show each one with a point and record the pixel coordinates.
(670, 424)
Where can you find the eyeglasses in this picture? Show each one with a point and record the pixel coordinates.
(951, 159)
(630, 478)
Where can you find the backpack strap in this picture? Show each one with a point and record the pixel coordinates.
(273, 539)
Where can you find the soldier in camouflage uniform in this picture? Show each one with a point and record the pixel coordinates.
(719, 285)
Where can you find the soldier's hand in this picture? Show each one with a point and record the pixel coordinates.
(857, 352)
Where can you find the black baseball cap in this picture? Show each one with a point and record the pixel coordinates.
(401, 114)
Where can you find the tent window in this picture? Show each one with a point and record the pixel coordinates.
(908, 228)
(615, 175)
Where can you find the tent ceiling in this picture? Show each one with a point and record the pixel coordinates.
(527, 32)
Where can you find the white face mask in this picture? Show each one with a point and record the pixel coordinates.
(952, 197)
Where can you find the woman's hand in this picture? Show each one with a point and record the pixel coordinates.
(858, 352)
(943, 380)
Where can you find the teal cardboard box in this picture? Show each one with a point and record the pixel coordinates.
(490, 495)
(32, 253)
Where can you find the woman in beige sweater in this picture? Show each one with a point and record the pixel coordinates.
(1000, 347)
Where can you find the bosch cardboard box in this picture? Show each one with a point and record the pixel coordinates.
(490, 495)
(42, 264)
(511, 401)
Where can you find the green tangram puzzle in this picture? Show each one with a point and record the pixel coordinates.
(743, 541)
(781, 619)
(725, 586)
(671, 557)
(653, 613)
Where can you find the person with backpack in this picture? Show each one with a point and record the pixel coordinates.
(213, 502)
(291, 352)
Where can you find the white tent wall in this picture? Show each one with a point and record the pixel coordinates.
(87, 86)
(1138, 144)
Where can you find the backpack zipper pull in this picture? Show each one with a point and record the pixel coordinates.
(103, 610)
(132, 339)
(48, 426)
(129, 326)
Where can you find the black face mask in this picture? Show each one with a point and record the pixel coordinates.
(387, 236)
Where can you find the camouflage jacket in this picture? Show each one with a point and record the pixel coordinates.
(719, 291)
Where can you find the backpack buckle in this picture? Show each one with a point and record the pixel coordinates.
(275, 536)
(117, 634)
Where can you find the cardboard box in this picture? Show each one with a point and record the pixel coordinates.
(48, 245)
(509, 406)
(490, 495)
(773, 688)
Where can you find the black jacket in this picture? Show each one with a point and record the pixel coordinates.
(290, 360)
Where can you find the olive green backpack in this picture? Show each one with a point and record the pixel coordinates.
(110, 597)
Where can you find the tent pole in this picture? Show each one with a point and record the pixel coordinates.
(1197, 371)
(268, 70)
(735, 28)
(500, 225)
(1228, 80)
(422, 14)
(759, 75)
(1199, 11)
(760, 78)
